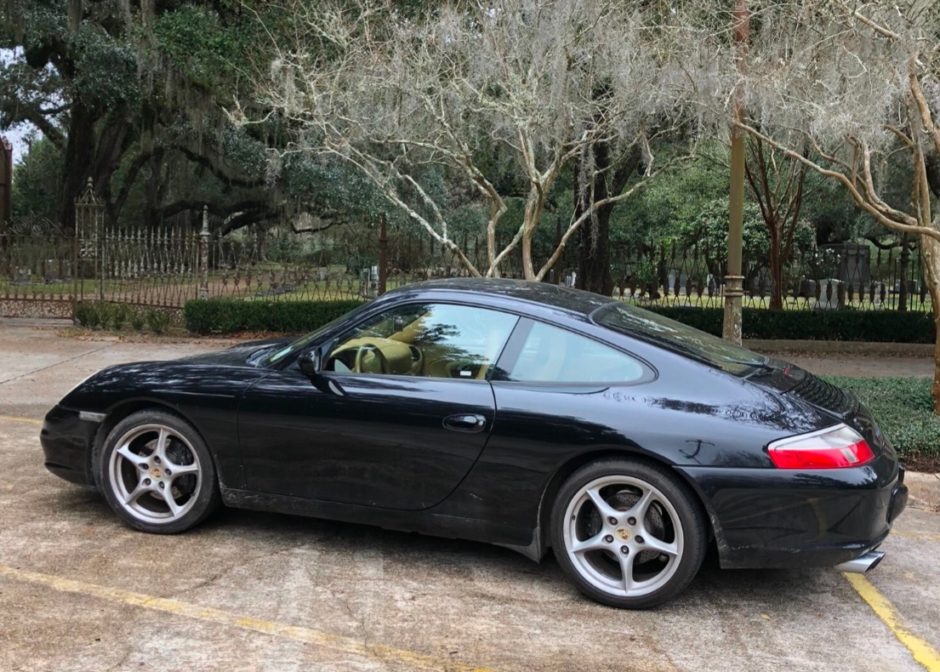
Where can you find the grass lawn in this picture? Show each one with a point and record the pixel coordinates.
(904, 411)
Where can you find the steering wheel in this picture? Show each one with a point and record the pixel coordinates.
(379, 355)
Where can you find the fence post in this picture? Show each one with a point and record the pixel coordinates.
(88, 220)
(76, 242)
(100, 234)
(204, 255)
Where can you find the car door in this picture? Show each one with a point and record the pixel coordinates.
(558, 392)
(400, 411)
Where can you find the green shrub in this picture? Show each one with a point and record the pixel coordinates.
(138, 319)
(818, 325)
(158, 321)
(119, 314)
(105, 310)
(224, 316)
(904, 411)
(87, 314)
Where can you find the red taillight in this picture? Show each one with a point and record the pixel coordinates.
(833, 448)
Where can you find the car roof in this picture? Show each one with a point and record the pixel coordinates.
(563, 298)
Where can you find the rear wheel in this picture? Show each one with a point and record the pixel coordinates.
(157, 474)
(627, 533)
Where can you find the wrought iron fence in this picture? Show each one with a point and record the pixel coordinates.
(164, 267)
(843, 276)
(37, 273)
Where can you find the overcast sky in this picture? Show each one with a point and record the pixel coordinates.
(16, 135)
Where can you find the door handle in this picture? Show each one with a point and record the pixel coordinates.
(470, 423)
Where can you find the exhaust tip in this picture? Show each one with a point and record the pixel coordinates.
(863, 563)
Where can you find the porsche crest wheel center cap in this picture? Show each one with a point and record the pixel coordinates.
(623, 534)
(155, 472)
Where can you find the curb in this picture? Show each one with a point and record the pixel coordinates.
(925, 350)
(924, 490)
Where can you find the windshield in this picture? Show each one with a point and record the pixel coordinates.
(679, 337)
(304, 341)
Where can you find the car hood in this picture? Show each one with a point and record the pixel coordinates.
(238, 355)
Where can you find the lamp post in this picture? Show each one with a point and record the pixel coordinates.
(734, 279)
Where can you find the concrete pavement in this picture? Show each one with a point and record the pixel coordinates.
(252, 591)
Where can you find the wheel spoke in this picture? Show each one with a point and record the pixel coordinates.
(654, 544)
(135, 494)
(626, 568)
(125, 452)
(642, 506)
(170, 500)
(162, 440)
(605, 509)
(182, 469)
(595, 543)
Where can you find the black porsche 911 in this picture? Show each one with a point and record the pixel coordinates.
(520, 414)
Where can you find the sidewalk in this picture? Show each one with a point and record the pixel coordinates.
(855, 360)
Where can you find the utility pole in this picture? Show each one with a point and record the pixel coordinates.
(734, 279)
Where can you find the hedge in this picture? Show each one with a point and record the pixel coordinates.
(904, 411)
(818, 325)
(106, 315)
(225, 316)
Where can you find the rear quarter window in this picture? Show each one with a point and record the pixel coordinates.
(554, 355)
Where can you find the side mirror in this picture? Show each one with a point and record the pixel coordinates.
(309, 363)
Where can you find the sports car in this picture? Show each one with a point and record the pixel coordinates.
(536, 417)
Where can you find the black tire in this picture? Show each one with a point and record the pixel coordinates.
(673, 519)
(194, 489)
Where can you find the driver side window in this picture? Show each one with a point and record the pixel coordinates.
(430, 340)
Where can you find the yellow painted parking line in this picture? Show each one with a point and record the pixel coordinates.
(347, 645)
(921, 650)
(18, 418)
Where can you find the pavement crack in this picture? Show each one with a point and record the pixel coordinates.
(208, 581)
(52, 366)
(119, 665)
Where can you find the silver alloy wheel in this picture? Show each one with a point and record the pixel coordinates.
(155, 473)
(623, 536)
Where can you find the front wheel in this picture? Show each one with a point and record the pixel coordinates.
(157, 474)
(627, 533)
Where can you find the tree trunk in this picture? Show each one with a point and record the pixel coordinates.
(930, 250)
(594, 254)
(594, 244)
(775, 264)
(594, 237)
(533, 214)
(77, 165)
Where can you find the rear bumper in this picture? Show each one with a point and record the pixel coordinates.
(782, 518)
(67, 442)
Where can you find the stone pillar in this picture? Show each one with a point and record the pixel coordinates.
(204, 255)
